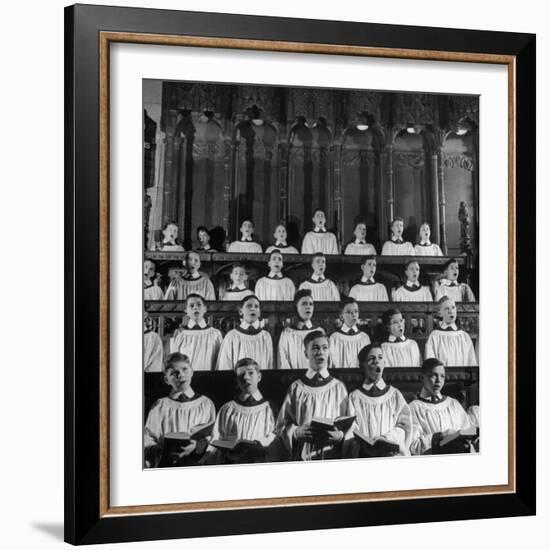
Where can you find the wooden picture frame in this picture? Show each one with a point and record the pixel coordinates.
(89, 32)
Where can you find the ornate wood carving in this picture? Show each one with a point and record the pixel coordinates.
(415, 109)
(458, 161)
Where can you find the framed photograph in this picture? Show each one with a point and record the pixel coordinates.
(298, 274)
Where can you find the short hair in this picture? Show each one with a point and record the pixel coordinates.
(347, 300)
(318, 255)
(187, 254)
(249, 297)
(194, 295)
(388, 314)
(169, 222)
(246, 362)
(203, 228)
(424, 223)
(360, 222)
(444, 299)
(449, 262)
(275, 251)
(397, 219)
(149, 262)
(368, 257)
(411, 261)
(318, 210)
(246, 220)
(364, 352)
(429, 364)
(237, 266)
(302, 293)
(313, 336)
(174, 358)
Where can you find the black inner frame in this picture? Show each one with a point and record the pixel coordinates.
(82, 522)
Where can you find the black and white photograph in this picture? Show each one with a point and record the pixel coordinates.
(311, 274)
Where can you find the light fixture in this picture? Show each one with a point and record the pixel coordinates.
(362, 127)
(414, 129)
(463, 127)
(257, 121)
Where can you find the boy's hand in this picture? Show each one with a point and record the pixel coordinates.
(304, 432)
(335, 436)
(186, 450)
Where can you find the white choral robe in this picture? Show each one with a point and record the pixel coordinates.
(386, 415)
(268, 288)
(304, 401)
(430, 418)
(245, 247)
(236, 294)
(152, 352)
(407, 294)
(286, 249)
(431, 249)
(236, 420)
(363, 249)
(320, 241)
(153, 292)
(237, 344)
(473, 415)
(291, 347)
(459, 293)
(453, 348)
(401, 354)
(201, 345)
(391, 248)
(345, 344)
(179, 289)
(366, 291)
(322, 291)
(169, 247)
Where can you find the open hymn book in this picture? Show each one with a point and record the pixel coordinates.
(372, 446)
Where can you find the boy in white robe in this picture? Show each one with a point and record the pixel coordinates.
(193, 281)
(275, 287)
(448, 285)
(320, 240)
(152, 348)
(170, 241)
(204, 237)
(182, 411)
(281, 236)
(381, 410)
(360, 246)
(348, 340)
(435, 415)
(246, 245)
(425, 247)
(247, 417)
(237, 290)
(151, 288)
(322, 289)
(396, 246)
(367, 289)
(412, 290)
(249, 339)
(316, 394)
(448, 343)
(398, 350)
(200, 342)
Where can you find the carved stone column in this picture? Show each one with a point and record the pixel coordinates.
(442, 206)
(434, 207)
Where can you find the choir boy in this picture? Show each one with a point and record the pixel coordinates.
(412, 290)
(193, 281)
(399, 351)
(281, 236)
(449, 285)
(322, 289)
(204, 237)
(451, 345)
(170, 241)
(348, 340)
(396, 246)
(275, 286)
(314, 395)
(237, 290)
(246, 245)
(152, 348)
(200, 342)
(182, 410)
(320, 240)
(151, 288)
(249, 339)
(367, 289)
(425, 247)
(360, 246)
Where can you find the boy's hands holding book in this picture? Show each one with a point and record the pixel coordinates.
(304, 432)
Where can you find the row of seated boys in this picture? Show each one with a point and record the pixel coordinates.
(277, 287)
(208, 350)
(316, 240)
(318, 419)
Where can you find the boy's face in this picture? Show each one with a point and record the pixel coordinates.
(396, 325)
(452, 271)
(280, 234)
(319, 264)
(369, 268)
(350, 314)
(397, 228)
(193, 262)
(147, 323)
(248, 379)
(149, 269)
(247, 228)
(360, 232)
(204, 237)
(179, 375)
(319, 219)
(305, 308)
(170, 232)
(435, 379)
(275, 263)
(373, 367)
(238, 276)
(195, 309)
(317, 352)
(425, 232)
(250, 311)
(447, 312)
(412, 272)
